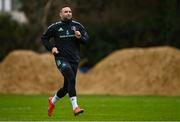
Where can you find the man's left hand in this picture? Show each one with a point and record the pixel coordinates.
(77, 34)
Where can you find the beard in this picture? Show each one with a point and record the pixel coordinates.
(68, 18)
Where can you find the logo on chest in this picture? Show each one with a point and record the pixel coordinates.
(60, 29)
(73, 28)
(67, 32)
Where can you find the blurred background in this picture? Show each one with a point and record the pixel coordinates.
(112, 25)
(130, 69)
(130, 41)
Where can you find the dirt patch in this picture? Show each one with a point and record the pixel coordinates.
(28, 72)
(150, 71)
(153, 71)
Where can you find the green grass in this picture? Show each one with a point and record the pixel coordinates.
(97, 107)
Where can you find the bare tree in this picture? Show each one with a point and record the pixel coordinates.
(46, 12)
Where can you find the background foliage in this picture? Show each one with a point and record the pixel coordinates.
(111, 24)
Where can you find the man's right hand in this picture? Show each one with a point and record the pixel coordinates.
(55, 51)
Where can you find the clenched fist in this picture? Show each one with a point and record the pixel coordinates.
(55, 51)
(77, 34)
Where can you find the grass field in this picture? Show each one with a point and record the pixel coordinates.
(97, 107)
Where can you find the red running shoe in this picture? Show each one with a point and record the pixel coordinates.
(77, 111)
(51, 107)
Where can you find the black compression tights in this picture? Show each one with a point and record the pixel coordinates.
(69, 72)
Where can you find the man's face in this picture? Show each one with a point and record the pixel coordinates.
(66, 13)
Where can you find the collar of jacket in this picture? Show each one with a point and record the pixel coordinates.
(66, 21)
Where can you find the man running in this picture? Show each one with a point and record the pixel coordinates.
(67, 36)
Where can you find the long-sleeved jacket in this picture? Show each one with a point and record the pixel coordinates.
(64, 39)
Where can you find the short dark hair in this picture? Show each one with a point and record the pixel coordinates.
(63, 6)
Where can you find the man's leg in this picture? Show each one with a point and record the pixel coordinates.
(61, 92)
(69, 72)
(77, 110)
(64, 90)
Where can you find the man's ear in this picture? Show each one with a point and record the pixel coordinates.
(60, 14)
